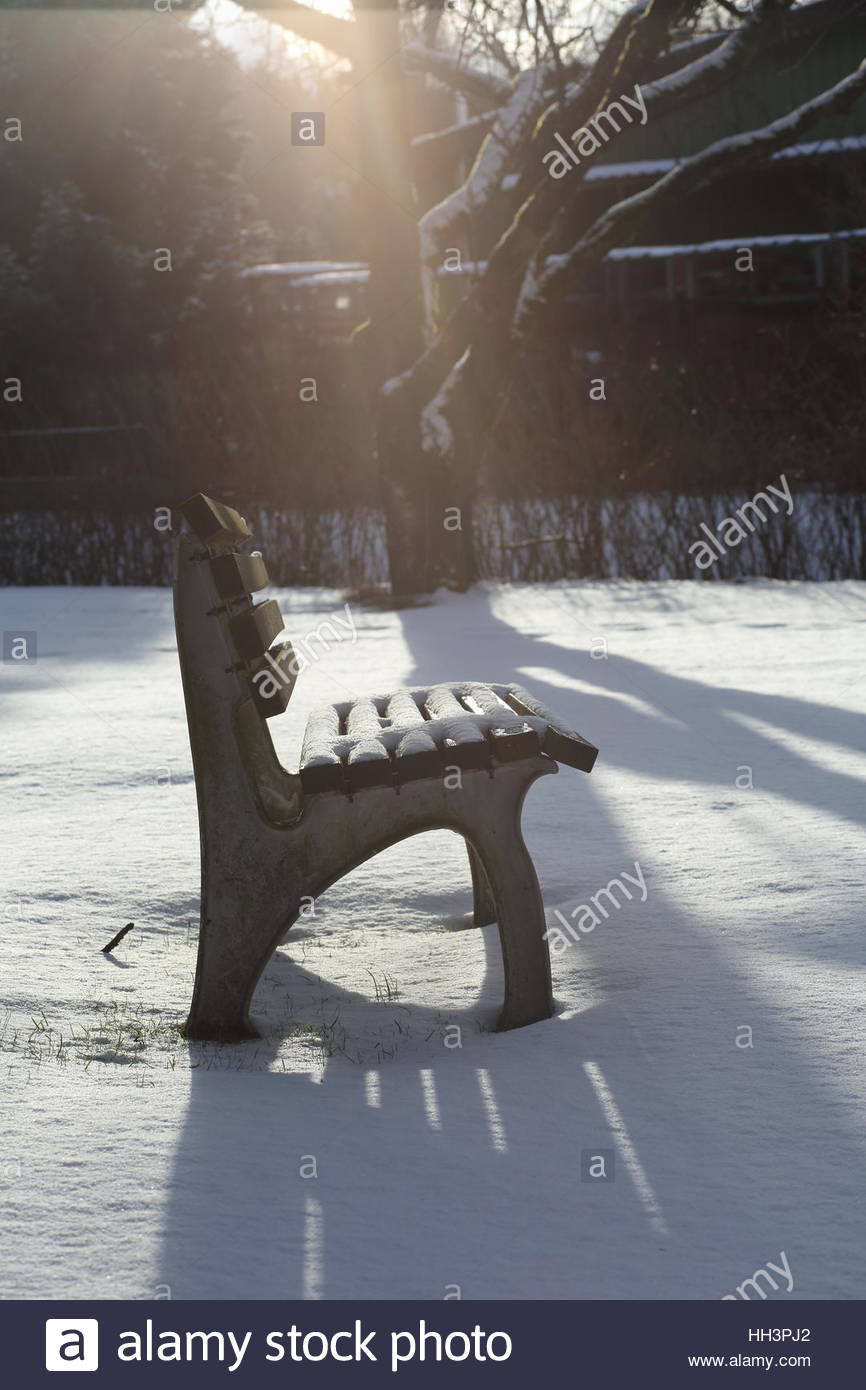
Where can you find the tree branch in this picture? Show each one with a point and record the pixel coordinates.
(450, 69)
(506, 278)
(510, 130)
(338, 35)
(496, 292)
(618, 223)
(704, 74)
(341, 37)
(452, 137)
(668, 94)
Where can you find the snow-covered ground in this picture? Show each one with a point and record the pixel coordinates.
(711, 1037)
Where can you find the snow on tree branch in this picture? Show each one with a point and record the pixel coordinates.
(618, 223)
(451, 69)
(519, 279)
(439, 139)
(700, 76)
(507, 263)
(691, 82)
(437, 435)
(510, 130)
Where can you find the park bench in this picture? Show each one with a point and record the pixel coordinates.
(373, 771)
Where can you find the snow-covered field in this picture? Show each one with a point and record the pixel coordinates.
(711, 1037)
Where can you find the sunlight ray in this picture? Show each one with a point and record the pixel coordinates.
(494, 1119)
(431, 1103)
(313, 1275)
(626, 1149)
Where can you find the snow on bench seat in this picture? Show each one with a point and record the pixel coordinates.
(418, 733)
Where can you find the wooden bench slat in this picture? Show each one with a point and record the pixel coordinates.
(235, 575)
(254, 629)
(214, 523)
(558, 742)
(509, 745)
(417, 757)
(321, 769)
(516, 739)
(368, 765)
(367, 762)
(322, 777)
(274, 678)
(490, 702)
(465, 744)
(442, 703)
(417, 754)
(403, 711)
(362, 720)
(469, 755)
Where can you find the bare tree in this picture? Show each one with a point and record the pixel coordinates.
(528, 81)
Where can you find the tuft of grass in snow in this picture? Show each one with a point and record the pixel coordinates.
(120, 1034)
(326, 1039)
(387, 991)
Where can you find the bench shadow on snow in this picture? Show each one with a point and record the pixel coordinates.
(463, 1167)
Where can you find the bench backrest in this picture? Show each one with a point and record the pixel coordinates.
(235, 675)
(269, 666)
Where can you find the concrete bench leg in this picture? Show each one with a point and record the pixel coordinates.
(239, 933)
(483, 904)
(520, 915)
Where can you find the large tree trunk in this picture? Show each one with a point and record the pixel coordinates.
(394, 337)
(404, 478)
(427, 494)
